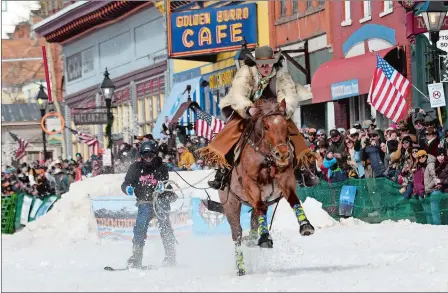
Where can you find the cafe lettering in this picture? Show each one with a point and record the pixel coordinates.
(214, 29)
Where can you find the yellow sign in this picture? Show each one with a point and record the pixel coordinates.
(222, 79)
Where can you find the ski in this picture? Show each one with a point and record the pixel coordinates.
(143, 268)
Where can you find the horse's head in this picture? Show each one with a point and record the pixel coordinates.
(271, 127)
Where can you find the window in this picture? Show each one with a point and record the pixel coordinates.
(282, 8)
(295, 6)
(309, 4)
(388, 8)
(360, 110)
(367, 11)
(347, 15)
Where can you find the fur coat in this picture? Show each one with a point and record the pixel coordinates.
(245, 84)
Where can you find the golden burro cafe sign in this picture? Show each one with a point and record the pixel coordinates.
(212, 30)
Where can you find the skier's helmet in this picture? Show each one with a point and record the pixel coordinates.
(149, 146)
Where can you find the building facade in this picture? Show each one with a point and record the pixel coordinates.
(205, 59)
(360, 30)
(127, 38)
(295, 25)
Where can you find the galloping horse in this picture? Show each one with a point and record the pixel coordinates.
(263, 174)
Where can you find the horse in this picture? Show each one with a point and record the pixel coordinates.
(262, 175)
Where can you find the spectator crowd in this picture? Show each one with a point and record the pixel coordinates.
(48, 178)
(412, 153)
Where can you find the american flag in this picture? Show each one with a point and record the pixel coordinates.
(22, 144)
(88, 140)
(388, 91)
(207, 125)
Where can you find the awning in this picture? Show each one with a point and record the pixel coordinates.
(343, 78)
(178, 95)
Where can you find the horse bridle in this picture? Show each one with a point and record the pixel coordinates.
(271, 156)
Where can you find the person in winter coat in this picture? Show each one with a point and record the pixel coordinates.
(186, 158)
(373, 153)
(142, 180)
(432, 141)
(442, 169)
(419, 174)
(61, 182)
(432, 189)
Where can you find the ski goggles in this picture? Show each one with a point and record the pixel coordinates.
(148, 156)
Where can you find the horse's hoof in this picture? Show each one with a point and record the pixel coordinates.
(240, 272)
(265, 241)
(306, 229)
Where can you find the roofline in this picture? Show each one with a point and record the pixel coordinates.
(67, 15)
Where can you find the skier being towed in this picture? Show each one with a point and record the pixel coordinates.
(141, 180)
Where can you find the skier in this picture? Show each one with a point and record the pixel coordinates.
(142, 179)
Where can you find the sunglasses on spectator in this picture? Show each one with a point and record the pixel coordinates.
(373, 135)
(414, 151)
(418, 122)
(349, 141)
(319, 135)
(312, 133)
(334, 135)
(421, 157)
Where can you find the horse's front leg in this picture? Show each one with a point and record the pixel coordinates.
(232, 210)
(260, 210)
(251, 239)
(289, 184)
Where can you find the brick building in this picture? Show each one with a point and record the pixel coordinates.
(359, 30)
(292, 24)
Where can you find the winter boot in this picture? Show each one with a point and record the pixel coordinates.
(169, 261)
(135, 261)
(218, 182)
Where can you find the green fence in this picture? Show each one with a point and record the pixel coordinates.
(20, 209)
(378, 200)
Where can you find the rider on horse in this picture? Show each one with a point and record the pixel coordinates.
(261, 77)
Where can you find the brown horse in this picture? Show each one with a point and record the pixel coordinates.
(263, 174)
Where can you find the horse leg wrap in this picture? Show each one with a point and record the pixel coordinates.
(306, 229)
(240, 270)
(251, 239)
(263, 228)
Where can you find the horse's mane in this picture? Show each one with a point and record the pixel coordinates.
(264, 107)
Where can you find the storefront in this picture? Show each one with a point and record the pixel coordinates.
(212, 35)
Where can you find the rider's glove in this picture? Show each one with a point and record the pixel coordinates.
(130, 190)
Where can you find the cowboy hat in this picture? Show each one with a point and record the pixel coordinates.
(264, 55)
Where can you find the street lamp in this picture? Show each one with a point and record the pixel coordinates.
(434, 13)
(108, 88)
(42, 102)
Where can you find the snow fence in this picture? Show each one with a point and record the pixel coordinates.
(379, 199)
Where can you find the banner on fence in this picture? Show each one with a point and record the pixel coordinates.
(115, 217)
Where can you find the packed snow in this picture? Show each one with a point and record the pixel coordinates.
(61, 251)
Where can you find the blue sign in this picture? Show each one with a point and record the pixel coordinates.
(208, 30)
(347, 200)
(345, 89)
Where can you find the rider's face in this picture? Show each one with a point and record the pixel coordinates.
(264, 69)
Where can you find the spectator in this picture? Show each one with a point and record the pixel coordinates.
(186, 159)
(372, 152)
(62, 185)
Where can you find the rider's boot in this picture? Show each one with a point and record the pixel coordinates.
(218, 182)
(135, 261)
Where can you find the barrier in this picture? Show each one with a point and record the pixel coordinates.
(379, 199)
(20, 209)
(8, 213)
